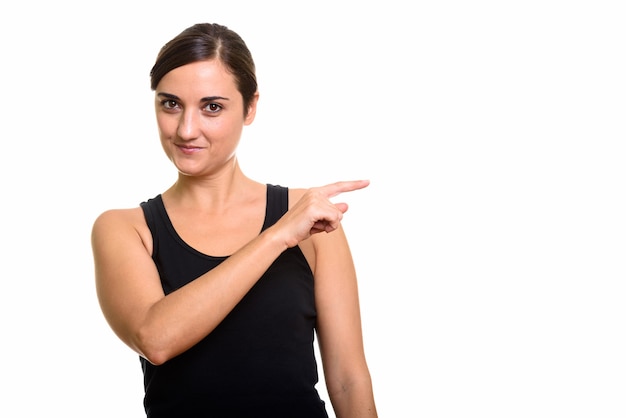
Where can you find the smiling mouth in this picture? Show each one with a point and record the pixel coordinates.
(187, 149)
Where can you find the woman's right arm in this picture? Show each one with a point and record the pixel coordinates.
(156, 326)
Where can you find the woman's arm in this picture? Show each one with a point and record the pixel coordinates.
(339, 328)
(156, 326)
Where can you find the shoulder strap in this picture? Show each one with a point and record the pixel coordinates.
(277, 204)
(150, 213)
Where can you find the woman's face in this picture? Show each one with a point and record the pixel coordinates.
(200, 117)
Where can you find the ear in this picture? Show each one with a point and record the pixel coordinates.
(251, 109)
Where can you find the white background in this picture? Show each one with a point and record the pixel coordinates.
(490, 245)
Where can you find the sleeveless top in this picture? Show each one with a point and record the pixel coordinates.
(259, 361)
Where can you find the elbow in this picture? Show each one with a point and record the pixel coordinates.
(154, 349)
(349, 384)
(155, 357)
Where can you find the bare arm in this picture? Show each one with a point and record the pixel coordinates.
(159, 327)
(339, 329)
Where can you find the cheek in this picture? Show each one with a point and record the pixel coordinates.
(166, 131)
(232, 126)
(166, 126)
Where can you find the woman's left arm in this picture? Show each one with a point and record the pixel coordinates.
(339, 329)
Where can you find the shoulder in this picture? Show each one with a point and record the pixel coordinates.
(118, 217)
(118, 223)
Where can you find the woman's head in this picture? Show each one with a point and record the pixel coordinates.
(208, 41)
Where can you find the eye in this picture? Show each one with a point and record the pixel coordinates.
(169, 104)
(213, 107)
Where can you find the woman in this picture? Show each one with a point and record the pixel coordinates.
(220, 282)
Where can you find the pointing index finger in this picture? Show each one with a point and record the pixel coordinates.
(334, 189)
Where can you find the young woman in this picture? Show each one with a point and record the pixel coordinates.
(221, 282)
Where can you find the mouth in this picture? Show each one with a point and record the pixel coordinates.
(188, 149)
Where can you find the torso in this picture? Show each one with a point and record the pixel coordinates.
(236, 364)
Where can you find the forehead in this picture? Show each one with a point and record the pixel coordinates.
(201, 77)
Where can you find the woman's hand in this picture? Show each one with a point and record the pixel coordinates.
(314, 212)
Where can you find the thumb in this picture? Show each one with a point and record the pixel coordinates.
(343, 207)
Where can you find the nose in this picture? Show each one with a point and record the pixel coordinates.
(188, 125)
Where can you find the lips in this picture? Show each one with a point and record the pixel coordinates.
(188, 149)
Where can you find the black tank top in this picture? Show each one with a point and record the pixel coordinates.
(260, 360)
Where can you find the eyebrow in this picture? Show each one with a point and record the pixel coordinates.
(204, 99)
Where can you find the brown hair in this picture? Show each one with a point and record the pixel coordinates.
(206, 41)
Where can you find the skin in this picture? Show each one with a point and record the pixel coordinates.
(200, 118)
